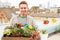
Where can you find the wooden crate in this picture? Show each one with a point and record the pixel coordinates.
(16, 38)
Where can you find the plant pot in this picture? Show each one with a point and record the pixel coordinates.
(44, 36)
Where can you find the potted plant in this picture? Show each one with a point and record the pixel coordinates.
(43, 35)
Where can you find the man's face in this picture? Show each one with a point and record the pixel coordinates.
(23, 8)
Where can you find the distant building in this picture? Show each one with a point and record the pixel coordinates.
(35, 10)
(3, 17)
(55, 10)
(6, 14)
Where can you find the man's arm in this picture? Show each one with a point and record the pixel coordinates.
(30, 20)
(13, 20)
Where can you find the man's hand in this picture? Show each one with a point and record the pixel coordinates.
(19, 24)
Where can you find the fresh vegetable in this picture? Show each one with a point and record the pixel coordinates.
(54, 20)
(43, 31)
(46, 22)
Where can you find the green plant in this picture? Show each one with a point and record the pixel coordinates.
(43, 31)
(8, 31)
(27, 34)
(18, 31)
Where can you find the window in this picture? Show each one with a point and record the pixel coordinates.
(58, 11)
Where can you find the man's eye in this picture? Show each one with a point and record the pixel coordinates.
(24, 7)
(21, 8)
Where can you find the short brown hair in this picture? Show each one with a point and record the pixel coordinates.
(23, 2)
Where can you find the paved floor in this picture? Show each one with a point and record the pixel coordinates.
(55, 36)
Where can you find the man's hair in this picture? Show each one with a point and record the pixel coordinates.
(23, 2)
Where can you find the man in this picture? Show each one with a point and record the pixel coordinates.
(22, 17)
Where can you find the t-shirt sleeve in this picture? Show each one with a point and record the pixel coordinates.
(30, 20)
(13, 20)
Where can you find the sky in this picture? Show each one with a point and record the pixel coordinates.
(42, 3)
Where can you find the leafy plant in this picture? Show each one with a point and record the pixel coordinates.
(27, 34)
(43, 31)
(18, 30)
(8, 31)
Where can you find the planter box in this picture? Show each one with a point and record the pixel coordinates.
(16, 38)
(44, 36)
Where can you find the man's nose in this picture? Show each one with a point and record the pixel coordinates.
(23, 9)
